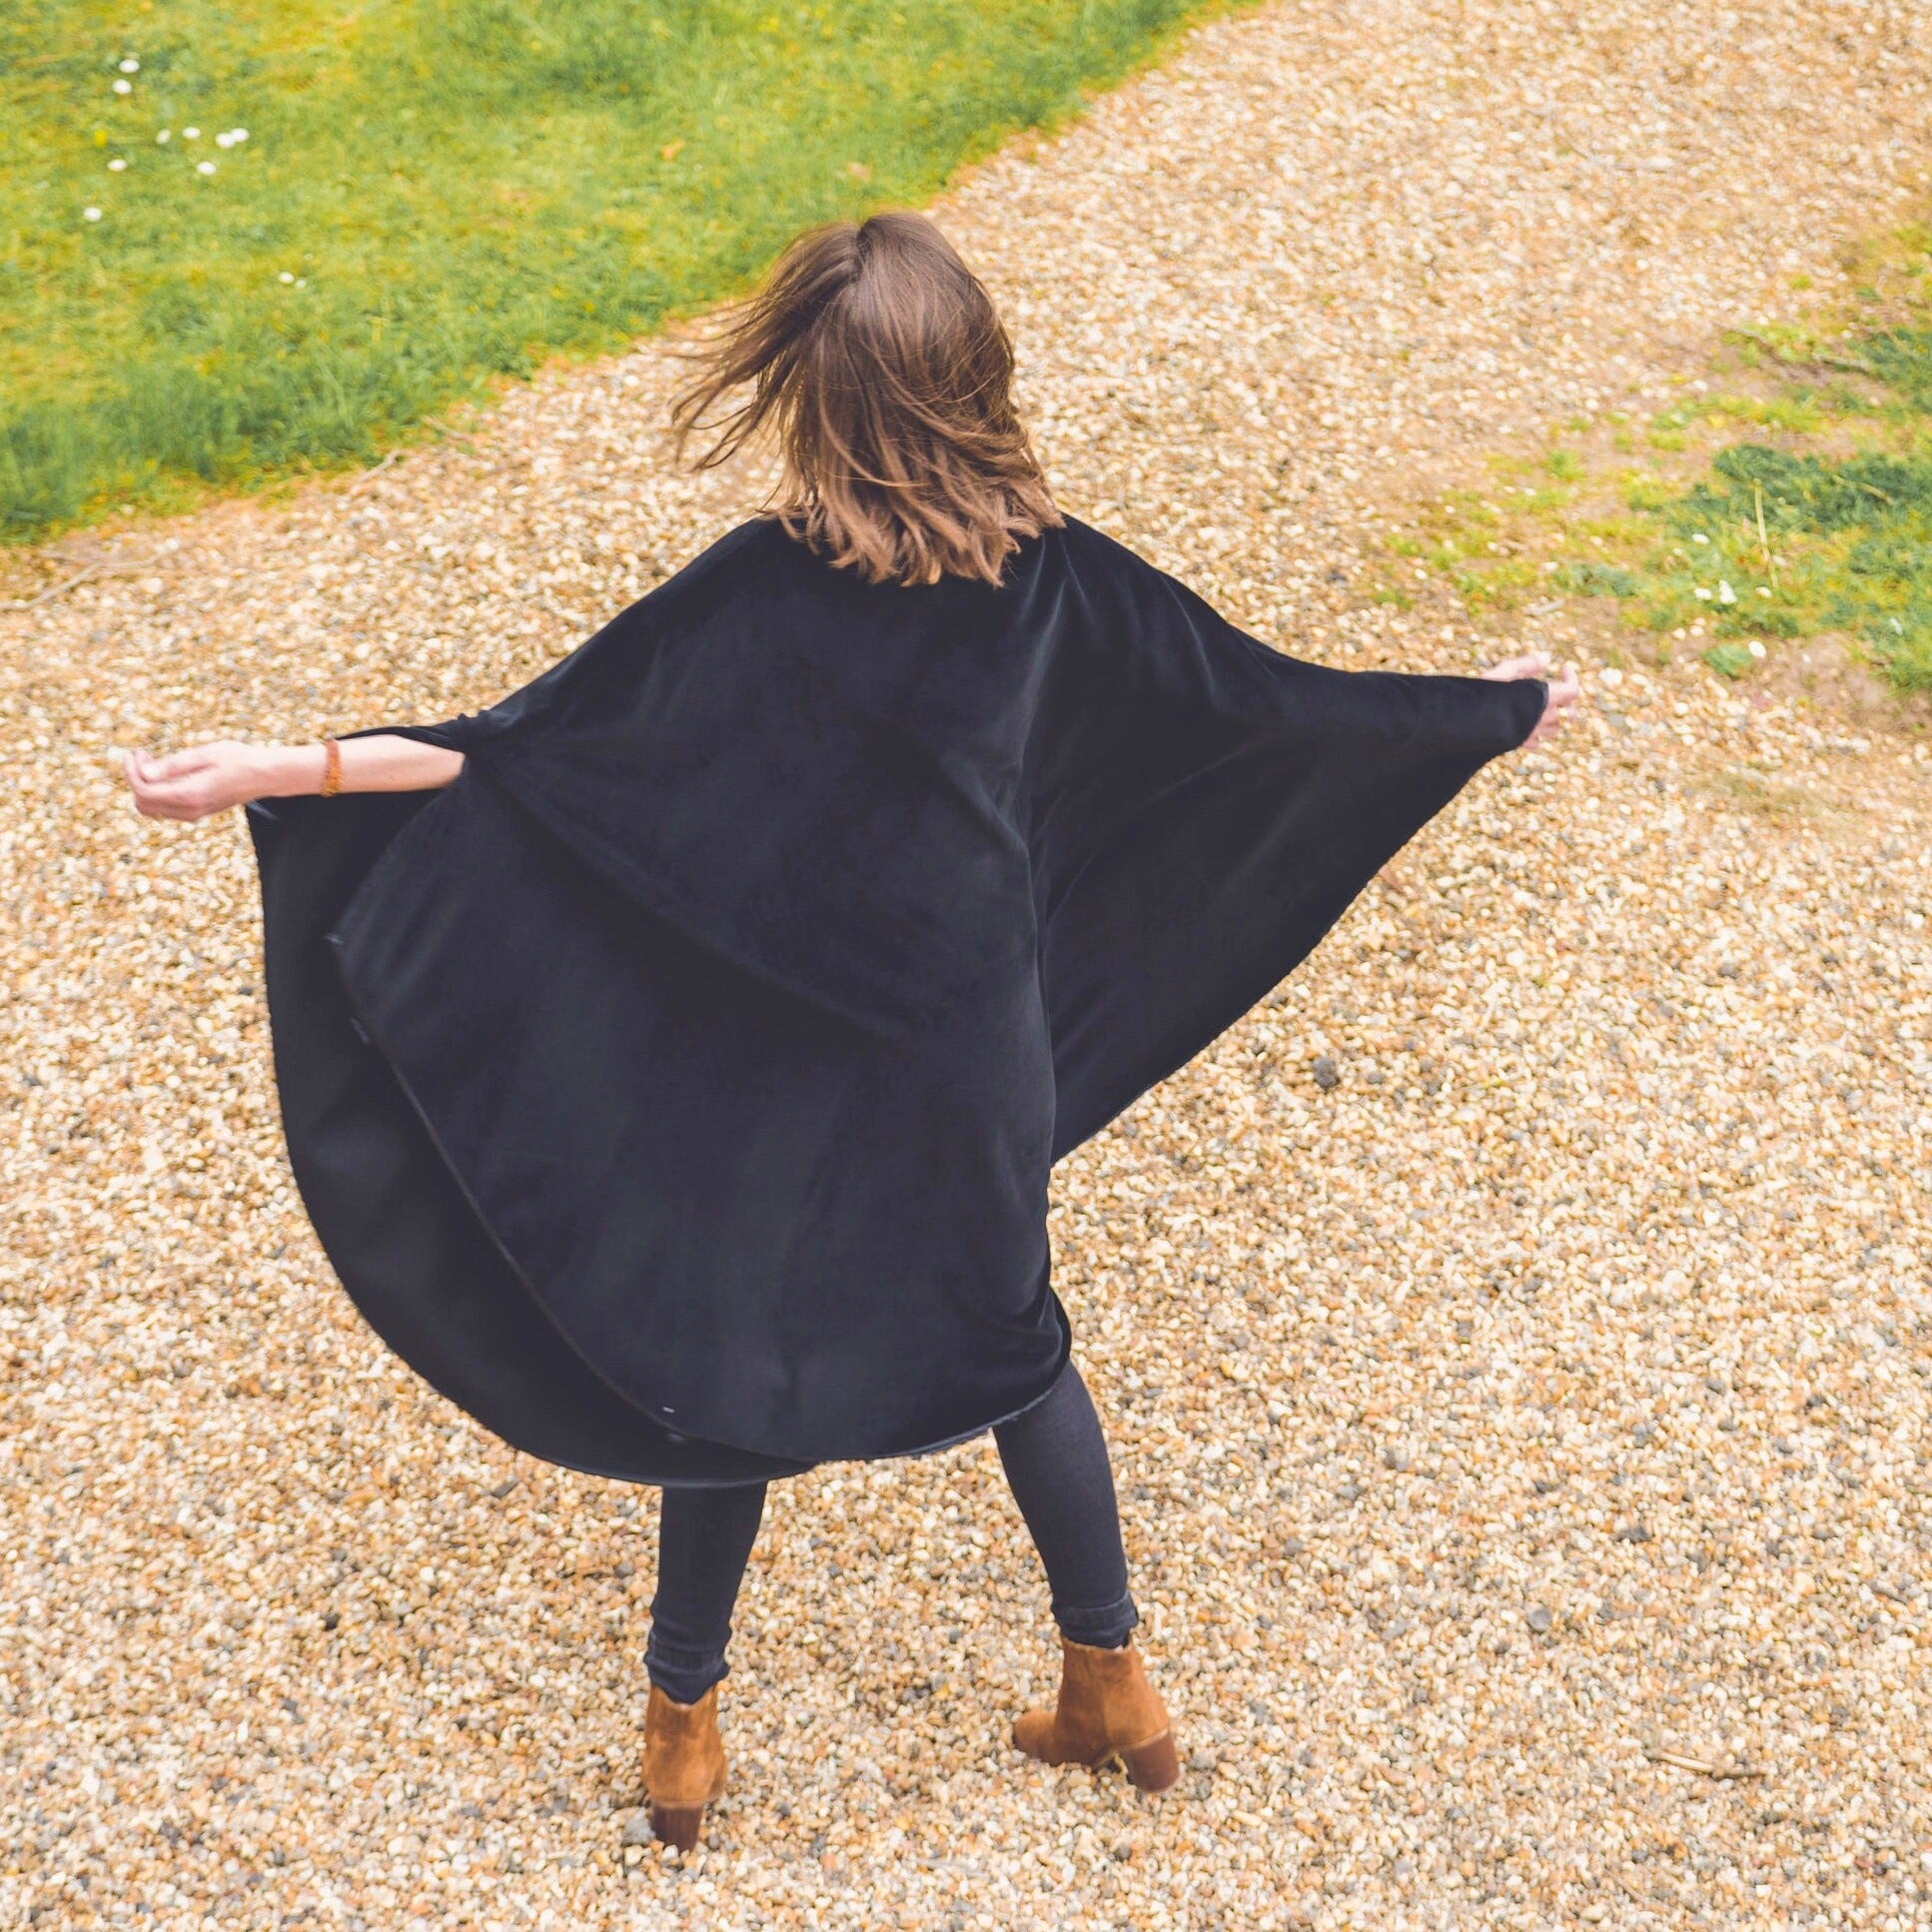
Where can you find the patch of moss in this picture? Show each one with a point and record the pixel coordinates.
(1820, 522)
(1728, 660)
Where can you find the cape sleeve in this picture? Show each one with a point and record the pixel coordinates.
(530, 706)
(1205, 808)
(581, 683)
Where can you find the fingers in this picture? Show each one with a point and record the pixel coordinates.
(1564, 694)
(162, 802)
(183, 799)
(1529, 663)
(178, 764)
(186, 784)
(1565, 690)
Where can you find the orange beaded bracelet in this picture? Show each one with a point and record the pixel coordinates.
(331, 767)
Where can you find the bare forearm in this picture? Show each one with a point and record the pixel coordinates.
(381, 763)
(213, 777)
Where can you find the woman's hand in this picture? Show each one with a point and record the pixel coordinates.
(1564, 692)
(211, 777)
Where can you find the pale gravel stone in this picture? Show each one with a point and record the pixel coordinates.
(1614, 1219)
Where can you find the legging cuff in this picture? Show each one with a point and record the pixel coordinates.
(1105, 1628)
(683, 1675)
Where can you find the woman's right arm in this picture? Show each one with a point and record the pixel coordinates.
(211, 777)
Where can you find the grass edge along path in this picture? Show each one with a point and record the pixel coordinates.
(245, 246)
(1818, 520)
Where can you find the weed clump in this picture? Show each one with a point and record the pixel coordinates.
(1827, 529)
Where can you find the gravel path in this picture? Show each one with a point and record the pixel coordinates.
(1535, 1385)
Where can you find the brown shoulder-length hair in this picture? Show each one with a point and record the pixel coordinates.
(878, 359)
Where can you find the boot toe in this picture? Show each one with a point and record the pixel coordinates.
(1033, 1733)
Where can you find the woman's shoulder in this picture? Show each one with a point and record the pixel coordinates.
(736, 564)
(747, 545)
(1093, 549)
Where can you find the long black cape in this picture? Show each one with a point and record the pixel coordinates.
(676, 1091)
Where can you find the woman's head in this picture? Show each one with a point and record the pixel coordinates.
(877, 359)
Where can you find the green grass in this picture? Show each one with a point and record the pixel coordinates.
(1820, 520)
(1779, 543)
(454, 192)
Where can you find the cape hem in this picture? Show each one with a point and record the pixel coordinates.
(790, 1466)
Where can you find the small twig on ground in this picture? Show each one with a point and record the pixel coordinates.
(1808, 357)
(54, 591)
(85, 561)
(1702, 1767)
(79, 577)
(1648, 1905)
(367, 476)
(1763, 541)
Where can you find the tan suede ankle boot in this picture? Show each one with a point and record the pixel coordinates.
(683, 1764)
(1107, 1709)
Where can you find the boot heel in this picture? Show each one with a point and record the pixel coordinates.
(678, 1824)
(1154, 1765)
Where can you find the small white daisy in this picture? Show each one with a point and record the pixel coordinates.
(116, 165)
(130, 65)
(1755, 647)
(124, 87)
(164, 136)
(203, 166)
(285, 275)
(90, 213)
(191, 134)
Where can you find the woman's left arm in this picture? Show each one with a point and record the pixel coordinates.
(211, 777)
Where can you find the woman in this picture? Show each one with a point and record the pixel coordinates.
(673, 1056)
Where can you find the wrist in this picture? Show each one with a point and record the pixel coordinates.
(289, 770)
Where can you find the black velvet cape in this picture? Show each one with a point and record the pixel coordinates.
(676, 1091)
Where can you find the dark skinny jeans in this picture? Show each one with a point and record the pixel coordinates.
(1055, 1459)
